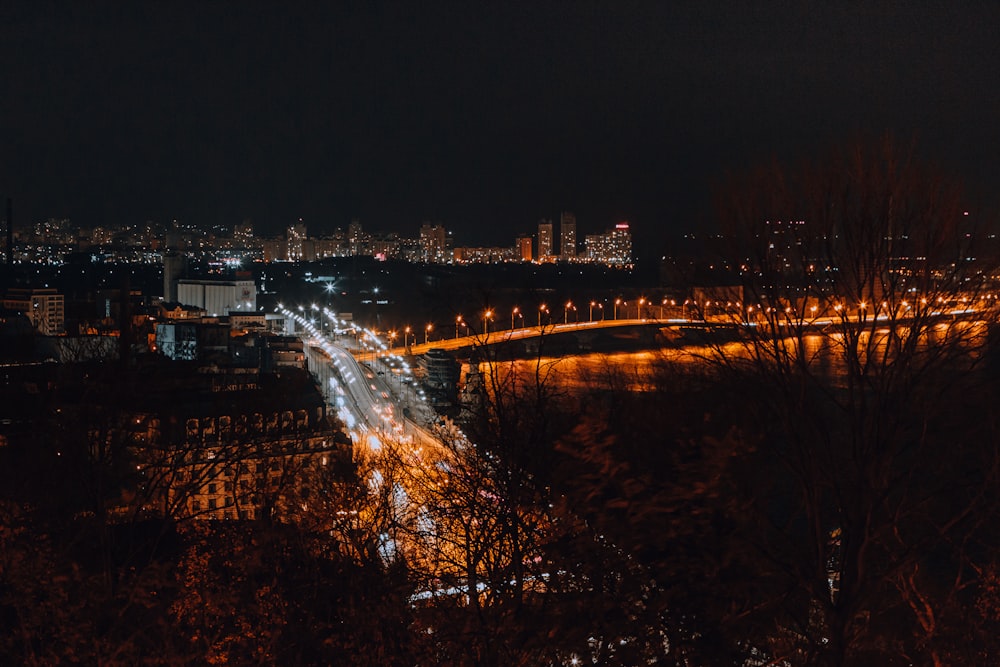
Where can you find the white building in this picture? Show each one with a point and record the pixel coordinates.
(218, 297)
(45, 307)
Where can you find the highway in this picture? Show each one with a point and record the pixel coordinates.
(377, 400)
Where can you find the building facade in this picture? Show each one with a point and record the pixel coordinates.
(218, 297)
(44, 307)
(567, 236)
(545, 240)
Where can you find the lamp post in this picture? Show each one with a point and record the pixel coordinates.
(541, 308)
(638, 308)
(406, 337)
(516, 311)
(590, 317)
(458, 321)
(486, 321)
(617, 303)
(569, 304)
(427, 332)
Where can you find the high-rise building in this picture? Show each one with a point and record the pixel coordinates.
(621, 244)
(544, 240)
(524, 248)
(614, 247)
(433, 243)
(567, 235)
(296, 235)
(355, 237)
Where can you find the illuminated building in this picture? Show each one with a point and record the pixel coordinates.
(296, 236)
(433, 243)
(524, 248)
(545, 241)
(567, 236)
(614, 247)
(44, 307)
(218, 297)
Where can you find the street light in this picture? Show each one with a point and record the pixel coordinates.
(569, 304)
(486, 321)
(427, 332)
(516, 311)
(542, 308)
(591, 316)
(406, 337)
(458, 321)
(638, 309)
(617, 303)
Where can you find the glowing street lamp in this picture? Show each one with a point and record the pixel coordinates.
(487, 316)
(458, 321)
(591, 316)
(406, 337)
(541, 309)
(516, 311)
(427, 332)
(617, 303)
(569, 304)
(638, 309)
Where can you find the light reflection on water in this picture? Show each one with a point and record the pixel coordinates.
(639, 370)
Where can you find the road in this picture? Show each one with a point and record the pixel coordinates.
(377, 399)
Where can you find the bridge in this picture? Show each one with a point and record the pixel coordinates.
(596, 335)
(627, 334)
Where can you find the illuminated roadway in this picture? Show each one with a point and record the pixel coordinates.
(506, 335)
(375, 401)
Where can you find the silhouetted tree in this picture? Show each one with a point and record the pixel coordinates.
(859, 355)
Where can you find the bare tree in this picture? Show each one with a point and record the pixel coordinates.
(862, 324)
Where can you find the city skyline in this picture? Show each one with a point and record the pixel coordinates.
(480, 118)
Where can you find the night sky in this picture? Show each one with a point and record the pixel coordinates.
(483, 116)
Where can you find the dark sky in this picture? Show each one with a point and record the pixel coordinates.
(484, 115)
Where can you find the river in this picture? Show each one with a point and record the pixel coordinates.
(640, 370)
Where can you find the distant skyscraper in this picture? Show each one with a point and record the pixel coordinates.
(614, 247)
(296, 235)
(524, 248)
(355, 237)
(433, 243)
(544, 240)
(567, 235)
(621, 244)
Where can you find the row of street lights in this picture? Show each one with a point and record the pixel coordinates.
(543, 312)
(516, 314)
